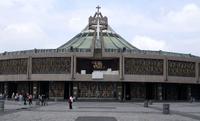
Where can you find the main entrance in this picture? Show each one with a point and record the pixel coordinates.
(97, 90)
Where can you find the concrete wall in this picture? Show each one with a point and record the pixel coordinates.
(88, 77)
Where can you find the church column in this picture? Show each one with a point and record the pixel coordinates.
(124, 91)
(160, 95)
(189, 92)
(165, 69)
(6, 89)
(74, 70)
(75, 89)
(72, 66)
(29, 67)
(74, 84)
(120, 67)
(35, 90)
(31, 87)
(122, 85)
(197, 71)
(119, 91)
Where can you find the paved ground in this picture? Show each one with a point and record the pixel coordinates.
(99, 111)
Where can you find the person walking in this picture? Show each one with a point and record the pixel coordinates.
(40, 99)
(70, 101)
(30, 97)
(13, 96)
(43, 100)
(24, 98)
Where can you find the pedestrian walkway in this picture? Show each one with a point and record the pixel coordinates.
(96, 111)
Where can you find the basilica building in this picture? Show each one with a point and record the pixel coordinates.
(99, 64)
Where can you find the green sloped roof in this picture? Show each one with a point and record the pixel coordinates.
(82, 40)
(114, 41)
(109, 38)
(100, 33)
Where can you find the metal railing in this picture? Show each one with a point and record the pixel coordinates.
(148, 52)
(44, 51)
(41, 51)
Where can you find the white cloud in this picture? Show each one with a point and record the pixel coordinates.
(22, 36)
(77, 20)
(28, 24)
(23, 28)
(185, 20)
(147, 43)
(173, 28)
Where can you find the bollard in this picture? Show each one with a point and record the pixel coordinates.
(192, 100)
(37, 102)
(150, 102)
(1, 106)
(55, 99)
(166, 108)
(146, 103)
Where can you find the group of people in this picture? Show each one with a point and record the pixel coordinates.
(17, 97)
(26, 97)
(42, 100)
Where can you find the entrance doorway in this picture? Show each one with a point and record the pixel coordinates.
(68, 90)
(12, 87)
(128, 91)
(44, 88)
(138, 91)
(195, 89)
(97, 90)
(182, 91)
(150, 91)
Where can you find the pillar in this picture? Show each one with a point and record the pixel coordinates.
(119, 91)
(6, 89)
(29, 68)
(121, 67)
(35, 88)
(160, 92)
(189, 95)
(72, 66)
(197, 71)
(75, 90)
(165, 69)
(124, 91)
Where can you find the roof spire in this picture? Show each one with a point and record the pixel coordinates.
(98, 7)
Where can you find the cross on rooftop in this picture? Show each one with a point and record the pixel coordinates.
(98, 7)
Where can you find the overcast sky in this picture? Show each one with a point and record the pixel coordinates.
(169, 25)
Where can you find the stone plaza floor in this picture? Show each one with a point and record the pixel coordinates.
(100, 111)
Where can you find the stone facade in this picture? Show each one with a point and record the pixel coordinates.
(13, 66)
(181, 68)
(143, 66)
(58, 65)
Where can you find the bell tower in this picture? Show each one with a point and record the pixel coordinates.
(98, 23)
